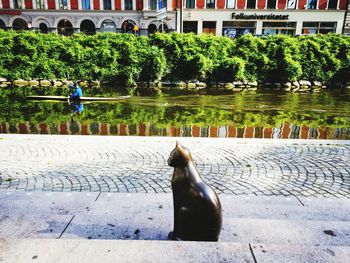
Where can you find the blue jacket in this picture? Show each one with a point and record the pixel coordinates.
(77, 93)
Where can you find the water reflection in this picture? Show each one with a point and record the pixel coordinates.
(324, 115)
(285, 131)
(78, 108)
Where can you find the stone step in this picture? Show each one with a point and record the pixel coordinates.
(72, 250)
(246, 219)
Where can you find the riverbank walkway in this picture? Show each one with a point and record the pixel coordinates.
(108, 199)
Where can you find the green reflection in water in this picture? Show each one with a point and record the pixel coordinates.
(263, 109)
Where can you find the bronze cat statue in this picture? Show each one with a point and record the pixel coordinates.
(197, 208)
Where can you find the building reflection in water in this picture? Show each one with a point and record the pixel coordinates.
(285, 131)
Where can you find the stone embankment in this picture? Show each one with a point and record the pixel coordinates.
(42, 83)
(236, 86)
(181, 86)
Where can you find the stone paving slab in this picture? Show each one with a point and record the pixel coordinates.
(246, 219)
(300, 254)
(287, 232)
(33, 226)
(286, 208)
(34, 203)
(45, 250)
(302, 168)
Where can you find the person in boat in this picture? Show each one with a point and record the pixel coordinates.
(78, 92)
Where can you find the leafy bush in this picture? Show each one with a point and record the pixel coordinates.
(126, 59)
(229, 69)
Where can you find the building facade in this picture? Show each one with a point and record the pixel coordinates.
(261, 17)
(347, 20)
(219, 17)
(69, 16)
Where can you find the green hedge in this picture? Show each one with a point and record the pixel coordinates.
(127, 59)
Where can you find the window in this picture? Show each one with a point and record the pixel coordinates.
(153, 4)
(17, 4)
(230, 4)
(65, 28)
(332, 4)
(108, 26)
(63, 4)
(237, 28)
(319, 27)
(271, 4)
(128, 5)
(43, 28)
(40, 4)
(210, 4)
(272, 28)
(85, 4)
(190, 27)
(251, 4)
(291, 4)
(190, 3)
(311, 4)
(209, 27)
(19, 24)
(107, 5)
(162, 4)
(87, 27)
(128, 26)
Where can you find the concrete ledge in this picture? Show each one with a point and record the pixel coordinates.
(53, 250)
(70, 250)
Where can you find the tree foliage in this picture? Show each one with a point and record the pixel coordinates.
(126, 59)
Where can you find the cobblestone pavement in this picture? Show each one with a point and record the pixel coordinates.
(138, 164)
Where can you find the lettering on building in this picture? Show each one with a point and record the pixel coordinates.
(259, 17)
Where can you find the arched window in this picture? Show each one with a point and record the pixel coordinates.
(87, 27)
(107, 5)
(128, 26)
(128, 4)
(40, 4)
(85, 4)
(152, 28)
(43, 28)
(108, 26)
(19, 24)
(65, 28)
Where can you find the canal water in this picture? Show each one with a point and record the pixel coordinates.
(268, 114)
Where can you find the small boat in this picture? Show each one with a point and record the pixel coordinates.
(64, 98)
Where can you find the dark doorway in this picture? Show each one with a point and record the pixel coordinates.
(152, 28)
(190, 27)
(65, 28)
(128, 26)
(19, 24)
(43, 28)
(163, 28)
(87, 27)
